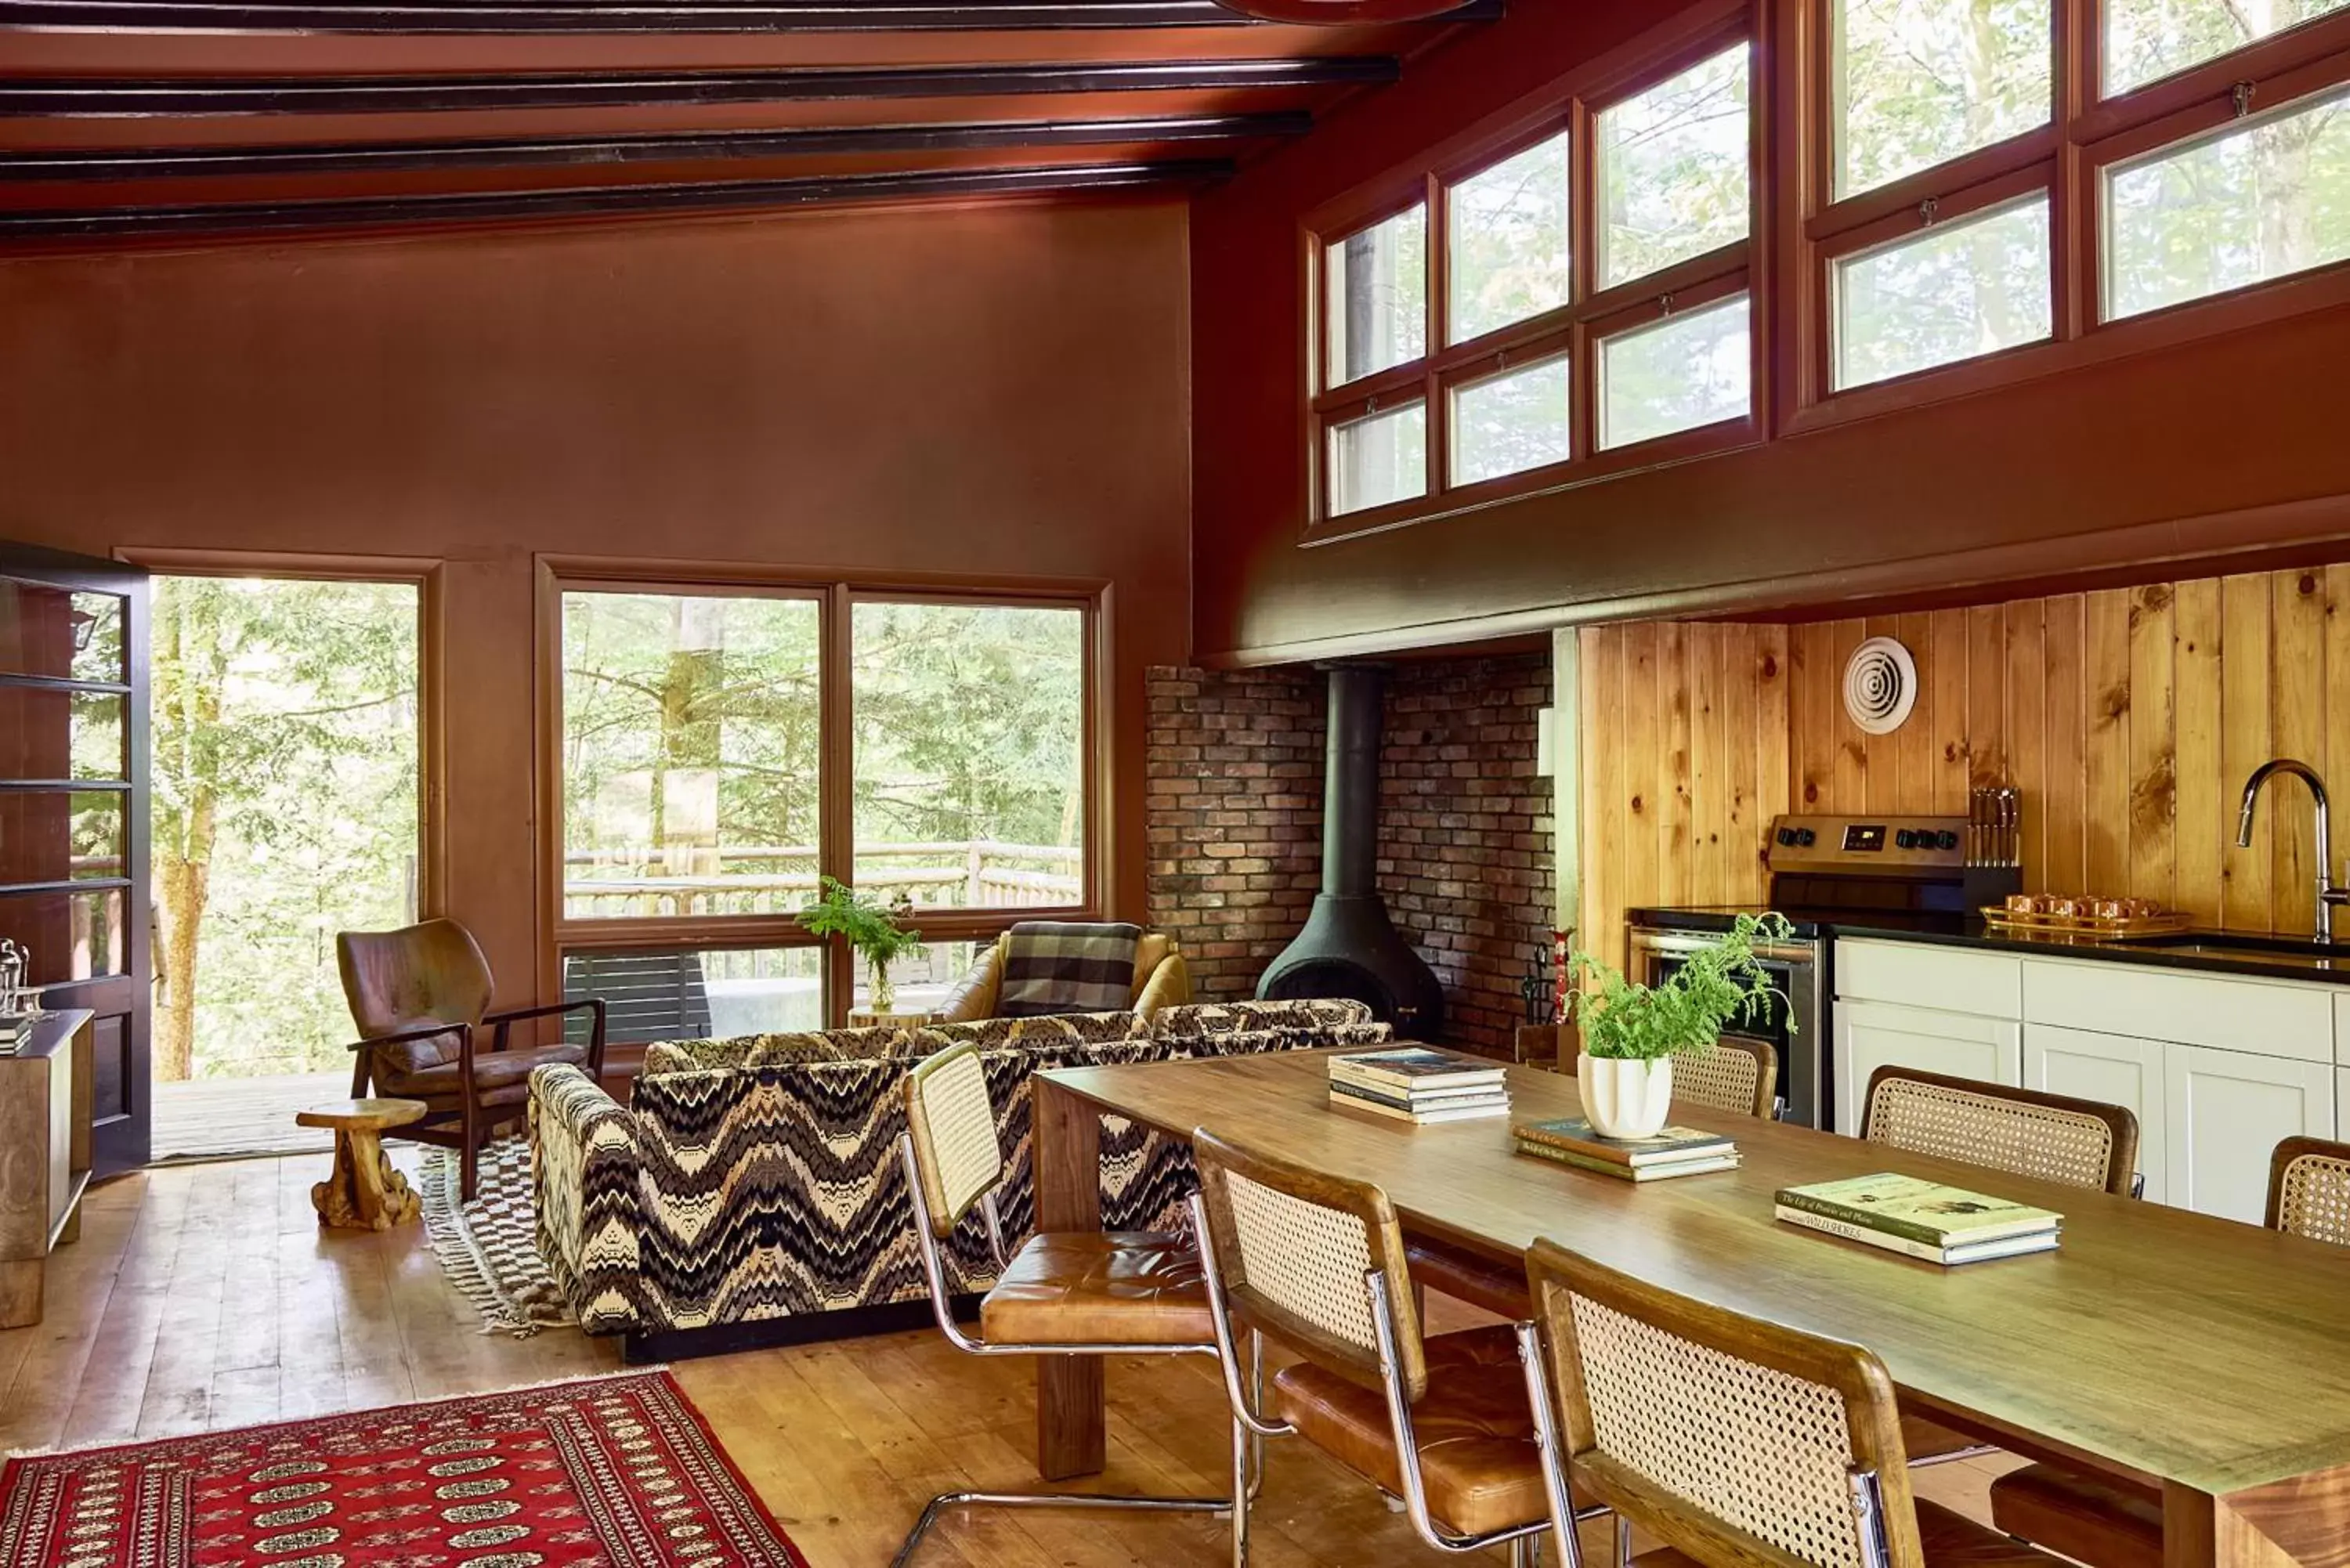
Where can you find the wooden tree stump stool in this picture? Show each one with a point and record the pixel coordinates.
(364, 1192)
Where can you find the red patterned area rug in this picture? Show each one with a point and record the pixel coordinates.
(618, 1472)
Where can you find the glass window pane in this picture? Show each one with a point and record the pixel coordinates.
(1509, 422)
(1675, 374)
(1970, 286)
(1673, 164)
(1379, 458)
(66, 936)
(1922, 81)
(2148, 39)
(1378, 297)
(2250, 204)
(689, 993)
(47, 732)
(1509, 241)
(970, 763)
(49, 836)
(60, 633)
(921, 983)
(690, 748)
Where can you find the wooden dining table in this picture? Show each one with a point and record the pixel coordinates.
(2209, 1358)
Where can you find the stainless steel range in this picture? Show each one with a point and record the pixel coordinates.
(1921, 873)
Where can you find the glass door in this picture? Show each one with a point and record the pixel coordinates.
(73, 814)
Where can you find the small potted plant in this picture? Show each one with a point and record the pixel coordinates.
(870, 929)
(1632, 1031)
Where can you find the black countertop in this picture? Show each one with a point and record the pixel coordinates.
(2213, 953)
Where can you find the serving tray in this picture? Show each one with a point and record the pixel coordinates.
(2118, 928)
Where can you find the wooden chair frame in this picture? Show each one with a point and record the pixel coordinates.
(2121, 1162)
(472, 1131)
(1397, 1365)
(1884, 1507)
(932, 1226)
(2288, 1153)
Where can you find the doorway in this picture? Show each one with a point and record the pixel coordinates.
(287, 772)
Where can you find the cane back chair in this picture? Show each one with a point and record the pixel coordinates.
(1316, 1262)
(2023, 1132)
(1738, 1073)
(1096, 1293)
(1731, 1440)
(2115, 1524)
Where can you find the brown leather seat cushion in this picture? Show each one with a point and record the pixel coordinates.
(1122, 1287)
(500, 1077)
(1950, 1540)
(2103, 1522)
(1922, 1439)
(1475, 1429)
(1470, 1277)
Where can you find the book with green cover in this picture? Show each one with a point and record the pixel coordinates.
(1718, 1160)
(1667, 1146)
(1919, 1211)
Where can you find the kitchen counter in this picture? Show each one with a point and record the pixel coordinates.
(2276, 959)
(2282, 958)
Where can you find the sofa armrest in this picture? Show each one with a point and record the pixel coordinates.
(587, 1176)
(973, 997)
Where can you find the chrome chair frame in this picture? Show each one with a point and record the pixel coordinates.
(1524, 1541)
(942, 1307)
(1867, 1499)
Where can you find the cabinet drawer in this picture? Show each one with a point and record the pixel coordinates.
(1920, 974)
(2261, 1017)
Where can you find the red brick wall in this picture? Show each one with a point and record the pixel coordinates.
(1465, 831)
(1234, 816)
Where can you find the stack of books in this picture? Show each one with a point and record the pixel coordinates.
(1921, 1218)
(1674, 1151)
(16, 1028)
(1417, 1083)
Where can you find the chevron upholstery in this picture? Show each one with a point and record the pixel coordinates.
(759, 1178)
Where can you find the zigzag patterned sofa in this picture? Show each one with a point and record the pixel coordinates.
(755, 1181)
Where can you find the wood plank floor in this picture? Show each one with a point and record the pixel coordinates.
(212, 1116)
(204, 1296)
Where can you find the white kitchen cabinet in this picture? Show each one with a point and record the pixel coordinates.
(1873, 1034)
(2228, 1013)
(2226, 1111)
(1931, 975)
(2113, 1069)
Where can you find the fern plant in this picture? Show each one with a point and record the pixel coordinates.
(1687, 1010)
(870, 927)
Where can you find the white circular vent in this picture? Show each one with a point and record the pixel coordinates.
(1881, 685)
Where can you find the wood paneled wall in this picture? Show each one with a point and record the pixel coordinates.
(2128, 718)
(1684, 729)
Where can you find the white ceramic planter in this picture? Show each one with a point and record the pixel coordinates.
(1625, 1099)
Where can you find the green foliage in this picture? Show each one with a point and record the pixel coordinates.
(285, 783)
(869, 925)
(1688, 1011)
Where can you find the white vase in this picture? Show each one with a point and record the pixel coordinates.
(1625, 1099)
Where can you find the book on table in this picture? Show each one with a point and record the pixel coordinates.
(1416, 1068)
(1920, 1218)
(1668, 1146)
(1347, 1097)
(1711, 1161)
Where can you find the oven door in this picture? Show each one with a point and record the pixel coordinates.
(1794, 1025)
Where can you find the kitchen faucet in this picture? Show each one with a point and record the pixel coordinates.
(2328, 895)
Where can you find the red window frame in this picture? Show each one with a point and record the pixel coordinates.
(2068, 158)
(1574, 330)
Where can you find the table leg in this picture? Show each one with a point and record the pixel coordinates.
(2304, 1521)
(1069, 1389)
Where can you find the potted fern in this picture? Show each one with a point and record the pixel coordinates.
(870, 928)
(1632, 1031)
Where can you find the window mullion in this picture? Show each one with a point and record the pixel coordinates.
(1438, 478)
(837, 783)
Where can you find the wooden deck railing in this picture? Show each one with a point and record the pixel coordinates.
(760, 879)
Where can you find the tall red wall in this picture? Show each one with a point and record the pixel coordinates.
(988, 391)
(2171, 446)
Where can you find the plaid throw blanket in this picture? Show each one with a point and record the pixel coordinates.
(1051, 966)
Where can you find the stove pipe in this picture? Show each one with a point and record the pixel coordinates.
(1348, 947)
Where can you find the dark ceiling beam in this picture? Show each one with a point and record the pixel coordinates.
(354, 157)
(479, 207)
(632, 16)
(193, 97)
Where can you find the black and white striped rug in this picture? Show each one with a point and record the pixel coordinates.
(489, 1248)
